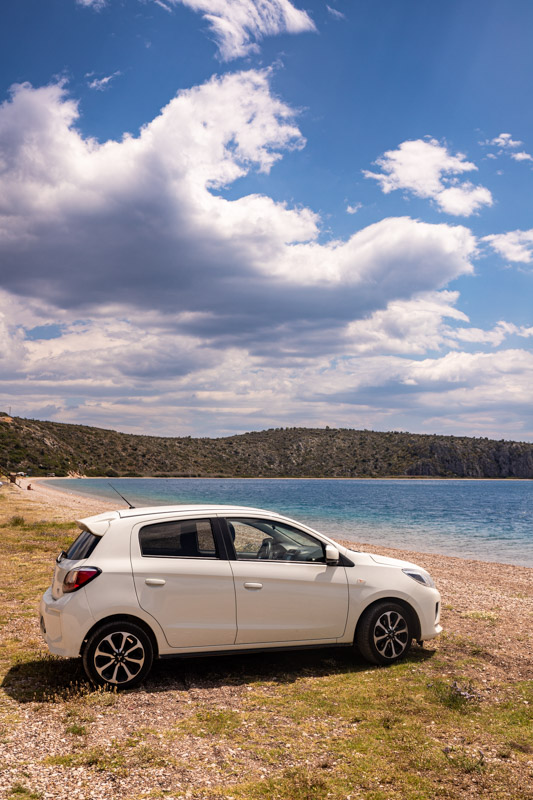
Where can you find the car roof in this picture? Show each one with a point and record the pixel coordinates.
(99, 523)
(182, 510)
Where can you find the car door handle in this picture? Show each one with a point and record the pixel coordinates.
(253, 586)
(155, 581)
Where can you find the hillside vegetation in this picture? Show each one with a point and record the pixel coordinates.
(53, 447)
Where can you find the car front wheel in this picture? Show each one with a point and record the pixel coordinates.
(384, 633)
(118, 655)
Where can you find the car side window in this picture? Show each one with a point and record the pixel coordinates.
(191, 538)
(273, 541)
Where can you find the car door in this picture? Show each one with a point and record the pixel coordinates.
(285, 591)
(184, 580)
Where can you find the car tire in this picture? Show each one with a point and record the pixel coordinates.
(384, 633)
(118, 655)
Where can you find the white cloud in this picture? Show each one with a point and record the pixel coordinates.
(101, 84)
(463, 200)
(353, 209)
(515, 246)
(507, 145)
(428, 169)
(505, 141)
(335, 12)
(144, 215)
(96, 4)
(413, 326)
(238, 25)
(417, 326)
(429, 255)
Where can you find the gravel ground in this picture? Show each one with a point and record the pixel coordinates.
(487, 606)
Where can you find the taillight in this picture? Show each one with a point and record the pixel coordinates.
(77, 578)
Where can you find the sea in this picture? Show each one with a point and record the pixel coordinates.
(484, 520)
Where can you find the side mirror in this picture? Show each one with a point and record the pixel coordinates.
(332, 555)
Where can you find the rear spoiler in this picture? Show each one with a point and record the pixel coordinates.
(99, 523)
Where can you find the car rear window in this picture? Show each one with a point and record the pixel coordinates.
(83, 546)
(191, 538)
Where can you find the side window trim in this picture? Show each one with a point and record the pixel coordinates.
(223, 530)
(221, 553)
(232, 553)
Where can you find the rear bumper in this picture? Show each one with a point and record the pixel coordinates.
(65, 622)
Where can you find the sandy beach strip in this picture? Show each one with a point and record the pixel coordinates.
(68, 504)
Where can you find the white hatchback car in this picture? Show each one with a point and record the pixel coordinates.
(146, 582)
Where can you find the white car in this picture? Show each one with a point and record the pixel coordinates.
(147, 582)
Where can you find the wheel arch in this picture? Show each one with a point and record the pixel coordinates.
(122, 618)
(413, 616)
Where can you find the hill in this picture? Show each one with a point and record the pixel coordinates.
(52, 447)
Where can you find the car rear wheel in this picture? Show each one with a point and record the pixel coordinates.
(118, 655)
(384, 633)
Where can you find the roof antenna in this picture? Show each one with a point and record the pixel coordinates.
(120, 495)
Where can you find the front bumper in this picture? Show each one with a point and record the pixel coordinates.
(429, 616)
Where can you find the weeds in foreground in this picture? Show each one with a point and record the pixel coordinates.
(465, 761)
(454, 696)
(22, 793)
(296, 784)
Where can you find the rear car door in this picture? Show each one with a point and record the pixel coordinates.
(284, 589)
(184, 580)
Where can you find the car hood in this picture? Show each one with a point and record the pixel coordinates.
(392, 562)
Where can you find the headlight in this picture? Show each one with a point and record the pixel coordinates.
(420, 577)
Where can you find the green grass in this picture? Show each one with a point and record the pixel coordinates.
(213, 723)
(23, 793)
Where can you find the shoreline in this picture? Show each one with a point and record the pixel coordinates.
(427, 478)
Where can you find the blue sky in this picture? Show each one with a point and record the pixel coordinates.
(229, 215)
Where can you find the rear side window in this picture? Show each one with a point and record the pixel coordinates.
(191, 538)
(83, 546)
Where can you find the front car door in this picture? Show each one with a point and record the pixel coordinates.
(285, 591)
(184, 580)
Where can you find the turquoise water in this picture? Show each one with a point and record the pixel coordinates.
(487, 520)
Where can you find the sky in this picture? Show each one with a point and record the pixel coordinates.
(219, 216)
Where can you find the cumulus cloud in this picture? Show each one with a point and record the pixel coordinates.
(427, 169)
(505, 141)
(145, 219)
(428, 322)
(522, 156)
(516, 246)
